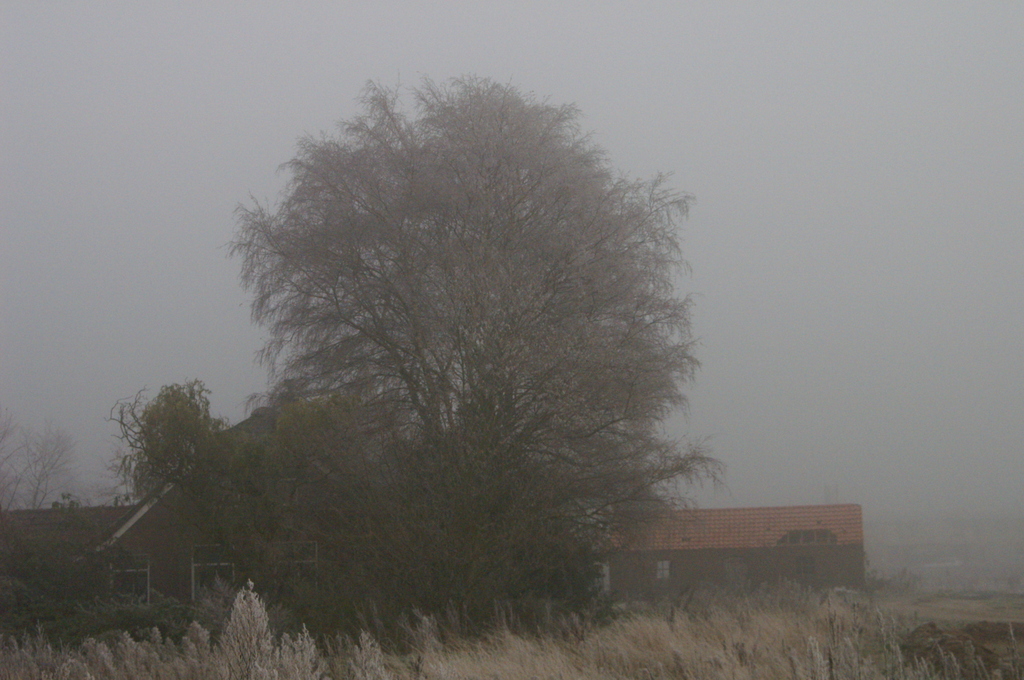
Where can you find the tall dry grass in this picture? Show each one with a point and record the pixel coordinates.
(784, 634)
(765, 636)
(781, 634)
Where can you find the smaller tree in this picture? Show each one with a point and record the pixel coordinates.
(34, 466)
(8, 479)
(169, 439)
(48, 465)
(233, 484)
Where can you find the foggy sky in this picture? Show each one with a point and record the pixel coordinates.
(857, 242)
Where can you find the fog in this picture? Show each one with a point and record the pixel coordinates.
(857, 240)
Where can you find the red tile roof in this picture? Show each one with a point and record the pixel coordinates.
(749, 527)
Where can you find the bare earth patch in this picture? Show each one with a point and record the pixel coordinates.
(980, 634)
(958, 607)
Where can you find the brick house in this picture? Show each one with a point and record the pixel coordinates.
(152, 550)
(159, 549)
(171, 556)
(150, 547)
(815, 545)
(145, 547)
(155, 545)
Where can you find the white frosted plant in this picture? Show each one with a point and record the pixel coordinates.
(367, 661)
(247, 650)
(298, 658)
(195, 646)
(247, 645)
(99, 657)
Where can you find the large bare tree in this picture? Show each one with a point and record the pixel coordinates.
(501, 300)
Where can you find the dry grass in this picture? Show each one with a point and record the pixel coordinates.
(739, 639)
(785, 635)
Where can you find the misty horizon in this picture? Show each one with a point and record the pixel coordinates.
(856, 240)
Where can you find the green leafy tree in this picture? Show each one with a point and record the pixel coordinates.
(233, 486)
(170, 439)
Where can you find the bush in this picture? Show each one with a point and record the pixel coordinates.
(246, 651)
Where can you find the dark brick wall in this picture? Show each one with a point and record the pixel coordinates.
(163, 536)
(634, 573)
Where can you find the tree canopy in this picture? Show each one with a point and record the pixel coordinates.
(498, 300)
(172, 438)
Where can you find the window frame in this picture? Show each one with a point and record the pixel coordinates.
(218, 565)
(605, 577)
(818, 536)
(130, 565)
(290, 554)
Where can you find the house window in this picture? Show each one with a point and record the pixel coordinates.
(291, 567)
(296, 560)
(130, 577)
(210, 565)
(662, 570)
(606, 578)
(808, 537)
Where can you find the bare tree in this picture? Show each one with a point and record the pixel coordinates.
(502, 300)
(48, 465)
(34, 466)
(8, 452)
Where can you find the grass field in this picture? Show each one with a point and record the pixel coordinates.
(783, 634)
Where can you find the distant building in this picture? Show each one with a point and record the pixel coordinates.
(158, 546)
(152, 547)
(814, 545)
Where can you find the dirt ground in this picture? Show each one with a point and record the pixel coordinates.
(978, 633)
(958, 608)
